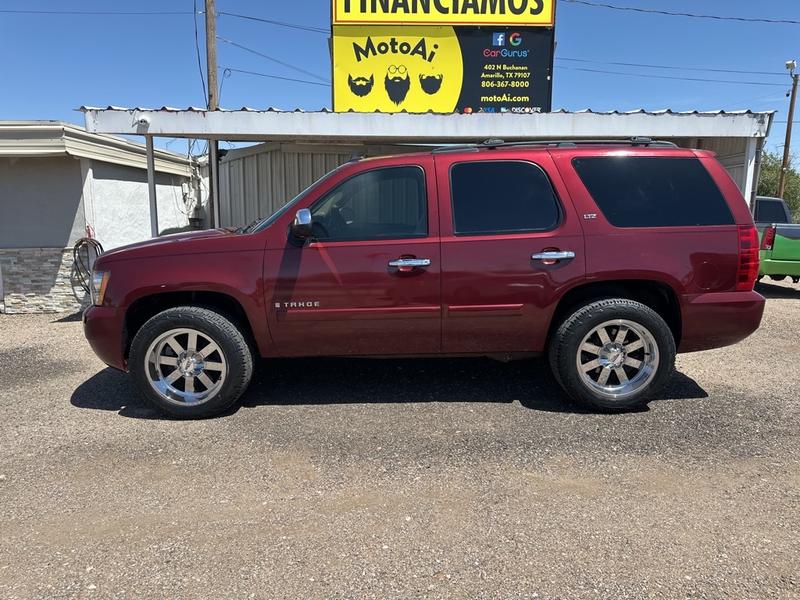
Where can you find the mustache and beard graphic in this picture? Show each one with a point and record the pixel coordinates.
(361, 86)
(397, 86)
(430, 83)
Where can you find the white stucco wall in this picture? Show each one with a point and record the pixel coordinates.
(40, 202)
(119, 208)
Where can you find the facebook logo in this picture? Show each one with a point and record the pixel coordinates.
(499, 39)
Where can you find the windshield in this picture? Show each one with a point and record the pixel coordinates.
(264, 223)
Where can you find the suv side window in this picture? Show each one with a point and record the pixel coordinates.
(653, 192)
(384, 203)
(502, 196)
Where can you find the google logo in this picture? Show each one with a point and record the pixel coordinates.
(515, 39)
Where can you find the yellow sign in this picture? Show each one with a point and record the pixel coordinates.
(391, 69)
(445, 12)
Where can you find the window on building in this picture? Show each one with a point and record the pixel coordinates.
(653, 192)
(383, 203)
(495, 197)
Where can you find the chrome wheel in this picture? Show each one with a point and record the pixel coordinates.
(185, 366)
(617, 359)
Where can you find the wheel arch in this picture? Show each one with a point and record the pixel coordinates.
(146, 307)
(657, 295)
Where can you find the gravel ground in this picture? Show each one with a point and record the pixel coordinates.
(397, 479)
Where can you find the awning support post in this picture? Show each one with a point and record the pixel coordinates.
(151, 186)
(213, 176)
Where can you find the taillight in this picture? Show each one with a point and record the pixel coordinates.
(748, 258)
(768, 240)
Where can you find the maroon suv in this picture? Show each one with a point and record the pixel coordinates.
(608, 257)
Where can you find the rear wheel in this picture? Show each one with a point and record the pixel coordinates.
(612, 355)
(190, 362)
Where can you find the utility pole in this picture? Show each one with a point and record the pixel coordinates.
(792, 66)
(213, 104)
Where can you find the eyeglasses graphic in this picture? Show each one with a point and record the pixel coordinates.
(394, 70)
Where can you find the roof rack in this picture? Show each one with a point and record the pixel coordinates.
(495, 143)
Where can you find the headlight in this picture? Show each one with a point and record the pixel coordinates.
(98, 286)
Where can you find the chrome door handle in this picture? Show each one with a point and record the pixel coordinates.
(410, 262)
(554, 255)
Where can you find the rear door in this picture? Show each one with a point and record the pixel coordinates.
(511, 243)
(368, 283)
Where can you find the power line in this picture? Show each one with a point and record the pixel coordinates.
(95, 12)
(653, 76)
(226, 73)
(231, 69)
(270, 58)
(674, 67)
(278, 23)
(197, 50)
(683, 14)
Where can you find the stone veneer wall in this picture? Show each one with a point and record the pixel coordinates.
(37, 280)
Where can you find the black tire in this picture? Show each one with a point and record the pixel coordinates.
(236, 356)
(569, 336)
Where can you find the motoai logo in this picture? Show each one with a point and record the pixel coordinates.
(416, 69)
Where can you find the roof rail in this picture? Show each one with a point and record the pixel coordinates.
(495, 143)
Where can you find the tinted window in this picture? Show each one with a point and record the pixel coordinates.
(378, 204)
(770, 211)
(501, 197)
(653, 192)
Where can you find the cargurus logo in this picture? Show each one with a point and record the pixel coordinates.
(490, 53)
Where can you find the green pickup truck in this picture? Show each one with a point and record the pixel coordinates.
(780, 239)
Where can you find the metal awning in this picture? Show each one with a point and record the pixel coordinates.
(324, 126)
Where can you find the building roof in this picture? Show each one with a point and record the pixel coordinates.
(58, 138)
(326, 126)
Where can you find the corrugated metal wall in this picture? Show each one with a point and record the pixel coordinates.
(731, 153)
(254, 182)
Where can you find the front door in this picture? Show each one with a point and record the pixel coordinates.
(368, 282)
(511, 243)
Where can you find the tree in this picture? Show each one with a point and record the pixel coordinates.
(768, 181)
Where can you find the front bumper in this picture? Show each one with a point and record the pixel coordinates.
(103, 327)
(719, 319)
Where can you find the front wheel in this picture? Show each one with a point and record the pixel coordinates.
(613, 355)
(190, 362)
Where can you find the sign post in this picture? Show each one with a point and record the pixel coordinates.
(443, 56)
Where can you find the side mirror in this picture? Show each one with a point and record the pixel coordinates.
(301, 227)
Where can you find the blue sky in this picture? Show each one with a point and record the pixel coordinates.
(55, 63)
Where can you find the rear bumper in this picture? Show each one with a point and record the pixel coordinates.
(721, 319)
(103, 328)
(779, 267)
